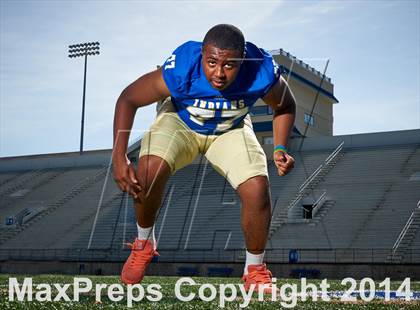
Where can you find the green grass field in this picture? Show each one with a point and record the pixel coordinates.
(170, 301)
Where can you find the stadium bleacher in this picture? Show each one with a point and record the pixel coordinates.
(369, 197)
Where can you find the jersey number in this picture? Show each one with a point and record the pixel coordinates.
(170, 63)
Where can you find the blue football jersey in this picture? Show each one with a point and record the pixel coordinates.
(208, 110)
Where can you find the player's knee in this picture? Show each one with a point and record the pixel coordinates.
(152, 173)
(257, 189)
(262, 189)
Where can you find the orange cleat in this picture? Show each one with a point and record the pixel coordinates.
(142, 252)
(261, 277)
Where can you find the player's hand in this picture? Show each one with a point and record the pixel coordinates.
(125, 176)
(284, 162)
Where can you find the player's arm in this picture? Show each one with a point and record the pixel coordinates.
(148, 89)
(282, 101)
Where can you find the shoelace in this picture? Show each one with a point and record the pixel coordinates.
(261, 276)
(129, 244)
(136, 259)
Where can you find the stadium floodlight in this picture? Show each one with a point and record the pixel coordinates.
(79, 50)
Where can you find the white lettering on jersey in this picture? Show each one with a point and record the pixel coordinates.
(234, 104)
(203, 104)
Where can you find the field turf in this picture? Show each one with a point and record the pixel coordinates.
(169, 300)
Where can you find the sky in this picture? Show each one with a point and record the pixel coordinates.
(372, 48)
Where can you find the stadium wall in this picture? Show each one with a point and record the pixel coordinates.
(56, 160)
(283, 270)
(103, 157)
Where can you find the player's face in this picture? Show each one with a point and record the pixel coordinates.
(221, 66)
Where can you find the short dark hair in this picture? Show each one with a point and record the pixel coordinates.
(225, 36)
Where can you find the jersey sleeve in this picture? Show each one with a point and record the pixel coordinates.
(178, 68)
(272, 72)
(267, 72)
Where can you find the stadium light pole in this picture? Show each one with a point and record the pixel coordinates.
(79, 50)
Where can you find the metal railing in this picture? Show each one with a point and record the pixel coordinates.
(319, 169)
(300, 62)
(319, 203)
(313, 176)
(404, 230)
(402, 233)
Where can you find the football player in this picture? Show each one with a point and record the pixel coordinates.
(210, 88)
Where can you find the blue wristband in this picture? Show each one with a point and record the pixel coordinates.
(280, 148)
